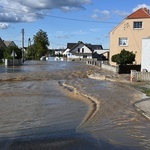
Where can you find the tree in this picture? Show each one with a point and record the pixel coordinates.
(124, 57)
(41, 43)
(10, 49)
(2, 49)
(31, 52)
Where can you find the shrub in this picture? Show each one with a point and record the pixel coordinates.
(124, 57)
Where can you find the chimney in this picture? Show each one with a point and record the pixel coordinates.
(147, 10)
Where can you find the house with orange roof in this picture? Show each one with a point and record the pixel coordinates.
(129, 33)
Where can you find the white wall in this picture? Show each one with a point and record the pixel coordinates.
(145, 54)
(86, 49)
(80, 55)
(101, 51)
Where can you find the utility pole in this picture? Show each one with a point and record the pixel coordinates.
(29, 45)
(22, 45)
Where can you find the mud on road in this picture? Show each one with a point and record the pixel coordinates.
(44, 104)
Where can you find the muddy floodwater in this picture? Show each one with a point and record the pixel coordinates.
(54, 105)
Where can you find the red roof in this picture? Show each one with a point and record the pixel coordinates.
(140, 13)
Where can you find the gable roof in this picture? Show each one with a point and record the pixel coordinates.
(71, 45)
(77, 44)
(140, 13)
(9, 43)
(2, 45)
(90, 46)
(96, 47)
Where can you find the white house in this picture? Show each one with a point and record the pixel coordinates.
(145, 64)
(81, 50)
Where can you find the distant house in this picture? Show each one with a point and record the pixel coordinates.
(2, 45)
(129, 33)
(9, 43)
(58, 51)
(81, 50)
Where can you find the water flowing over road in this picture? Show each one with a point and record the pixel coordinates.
(54, 105)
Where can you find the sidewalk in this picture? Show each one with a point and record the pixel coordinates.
(144, 107)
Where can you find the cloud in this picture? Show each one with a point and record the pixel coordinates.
(62, 35)
(32, 10)
(101, 15)
(121, 13)
(141, 6)
(4, 25)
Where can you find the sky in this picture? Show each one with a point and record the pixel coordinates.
(64, 21)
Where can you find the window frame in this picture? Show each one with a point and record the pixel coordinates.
(138, 25)
(121, 40)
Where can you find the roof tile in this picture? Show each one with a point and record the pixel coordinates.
(140, 13)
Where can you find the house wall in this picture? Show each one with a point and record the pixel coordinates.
(2, 45)
(78, 57)
(145, 54)
(101, 51)
(86, 49)
(75, 54)
(125, 30)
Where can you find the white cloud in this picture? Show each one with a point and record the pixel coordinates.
(3, 25)
(121, 13)
(96, 16)
(29, 10)
(141, 6)
(101, 15)
(62, 35)
(106, 13)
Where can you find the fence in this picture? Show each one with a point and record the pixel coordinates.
(104, 65)
(15, 62)
(141, 76)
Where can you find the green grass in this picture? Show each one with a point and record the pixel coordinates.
(146, 91)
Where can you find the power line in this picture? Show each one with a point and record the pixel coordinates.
(64, 18)
(73, 19)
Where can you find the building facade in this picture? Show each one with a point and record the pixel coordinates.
(129, 33)
(82, 50)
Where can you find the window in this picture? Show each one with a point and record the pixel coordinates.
(123, 41)
(82, 50)
(78, 50)
(84, 56)
(137, 25)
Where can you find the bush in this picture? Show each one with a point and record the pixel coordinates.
(124, 58)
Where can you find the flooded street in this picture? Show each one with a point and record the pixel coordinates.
(54, 105)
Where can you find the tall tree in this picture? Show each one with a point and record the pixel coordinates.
(41, 43)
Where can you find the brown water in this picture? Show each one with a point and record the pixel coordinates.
(42, 108)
